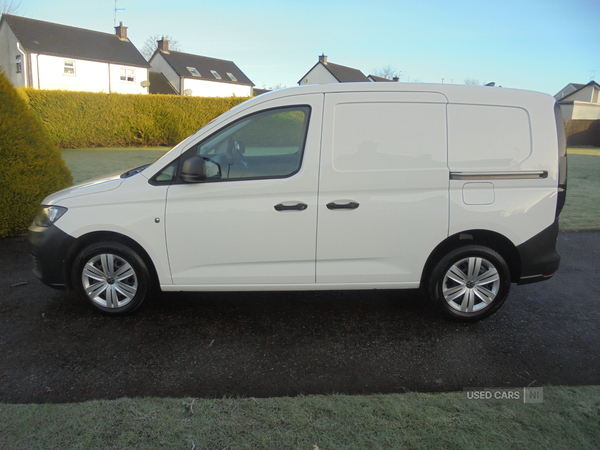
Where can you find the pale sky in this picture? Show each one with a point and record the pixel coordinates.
(524, 44)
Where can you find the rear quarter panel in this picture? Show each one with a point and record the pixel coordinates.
(515, 137)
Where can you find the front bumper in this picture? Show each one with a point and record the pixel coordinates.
(539, 259)
(48, 247)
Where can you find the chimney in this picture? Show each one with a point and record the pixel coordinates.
(163, 45)
(121, 32)
(323, 59)
(396, 79)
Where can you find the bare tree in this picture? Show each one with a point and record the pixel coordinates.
(9, 6)
(275, 87)
(472, 82)
(150, 45)
(388, 72)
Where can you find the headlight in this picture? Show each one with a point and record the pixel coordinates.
(47, 215)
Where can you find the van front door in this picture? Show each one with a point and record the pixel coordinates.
(383, 192)
(253, 220)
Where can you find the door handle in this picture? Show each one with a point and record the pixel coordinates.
(348, 205)
(297, 207)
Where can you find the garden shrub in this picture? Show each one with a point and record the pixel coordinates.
(31, 166)
(88, 119)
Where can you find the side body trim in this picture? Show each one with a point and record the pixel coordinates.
(523, 175)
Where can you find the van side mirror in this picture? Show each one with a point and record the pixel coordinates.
(194, 170)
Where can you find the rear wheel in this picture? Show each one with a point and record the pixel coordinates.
(470, 283)
(111, 277)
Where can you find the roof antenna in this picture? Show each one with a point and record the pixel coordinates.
(117, 9)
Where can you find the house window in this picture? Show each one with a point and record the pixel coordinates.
(216, 74)
(69, 68)
(194, 71)
(230, 75)
(127, 75)
(19, 64)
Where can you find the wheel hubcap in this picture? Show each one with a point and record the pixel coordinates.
(109, 280)
(471, 284)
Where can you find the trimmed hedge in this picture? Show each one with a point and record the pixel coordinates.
(86, 119)
(583, 133)
(31, 166)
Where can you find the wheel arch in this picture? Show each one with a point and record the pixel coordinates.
(97, 236)
(495, 241)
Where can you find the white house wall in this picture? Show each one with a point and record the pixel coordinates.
(204, 88)
(90, 76)
(585, 111)
(318, 75)
(48, 73)
(8, 57)
(128, 87)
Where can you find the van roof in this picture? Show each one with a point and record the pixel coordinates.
(454, 93)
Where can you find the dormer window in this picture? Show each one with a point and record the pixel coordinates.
(230, 75)
(19, 64)
(216, 74)
(194, 71)
(69, 67)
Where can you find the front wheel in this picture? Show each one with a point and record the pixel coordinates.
(470, 283)
(111, 278)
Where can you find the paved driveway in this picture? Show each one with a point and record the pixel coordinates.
(53, 349)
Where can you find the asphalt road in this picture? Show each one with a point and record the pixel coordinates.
(53, 349)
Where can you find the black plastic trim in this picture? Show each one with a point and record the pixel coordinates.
(296, 207)
(348, 205)
(539, 259)
(519, 175)
(49, 246)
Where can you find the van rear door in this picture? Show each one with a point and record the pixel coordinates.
(383, 189)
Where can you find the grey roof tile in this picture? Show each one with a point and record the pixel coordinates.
(181, 61)
(345, 74)
(48, 38)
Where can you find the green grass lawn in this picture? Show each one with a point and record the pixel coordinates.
(582, 209)
(567, 419)
(86, 164)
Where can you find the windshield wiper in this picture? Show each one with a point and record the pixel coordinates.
(132, 172)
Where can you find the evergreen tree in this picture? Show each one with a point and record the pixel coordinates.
(31, 166)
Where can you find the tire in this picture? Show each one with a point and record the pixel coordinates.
(111, 278)
(470, 283)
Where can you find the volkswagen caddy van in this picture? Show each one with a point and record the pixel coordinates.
(453, 189)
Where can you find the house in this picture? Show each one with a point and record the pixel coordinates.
(45, 55)
(377, 79)
(580, 101)
(198, 76)
(324, 72)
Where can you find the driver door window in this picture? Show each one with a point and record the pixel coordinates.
(268, 144)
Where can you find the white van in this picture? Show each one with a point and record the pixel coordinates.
(455, 189)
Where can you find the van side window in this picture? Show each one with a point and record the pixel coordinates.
(268, 144)
(167, 174)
